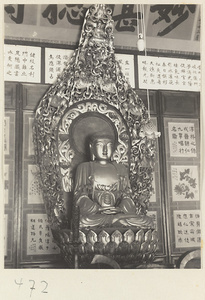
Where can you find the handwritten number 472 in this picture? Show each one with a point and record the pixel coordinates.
(32, 287)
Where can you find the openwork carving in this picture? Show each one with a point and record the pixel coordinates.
(66, 153)
(91, 84)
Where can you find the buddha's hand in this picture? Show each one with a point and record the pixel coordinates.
(110, 210)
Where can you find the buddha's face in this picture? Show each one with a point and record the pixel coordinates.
(102, 149)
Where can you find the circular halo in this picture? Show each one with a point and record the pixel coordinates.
(87, 125)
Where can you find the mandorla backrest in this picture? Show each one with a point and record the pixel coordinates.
(91, 94)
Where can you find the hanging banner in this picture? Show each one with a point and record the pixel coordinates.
(63, 23)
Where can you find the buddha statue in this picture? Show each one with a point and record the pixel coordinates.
(102, 189)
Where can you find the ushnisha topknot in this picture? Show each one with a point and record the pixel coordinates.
(102, 135)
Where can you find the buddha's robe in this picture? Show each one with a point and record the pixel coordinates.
(104, 202)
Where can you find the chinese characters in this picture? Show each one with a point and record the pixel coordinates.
(11, 10)
(169, 73)
(74, 13)
(125, 16)
(55, 62)
(182, 139)
(174, 15)
(187, 228)
(126, 63)
(22, 63)
(39, 236)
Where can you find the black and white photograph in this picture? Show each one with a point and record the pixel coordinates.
(102, 126)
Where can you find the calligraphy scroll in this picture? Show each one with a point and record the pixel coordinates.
(185, 183)
(126, 62)
(39, 236)
(182, 139)
(22, 63)
(187, 228)
(163, 73)
(55, 62)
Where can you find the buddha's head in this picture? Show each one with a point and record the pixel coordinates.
(101, 147)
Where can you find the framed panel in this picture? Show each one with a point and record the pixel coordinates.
(32, 193)
(10, 91)
(154, 192)
(8, 183)
(182, 139)
(36, 240)
(180, 103)
(32, 93)
(185, 183)
(187, 228)
(28, 145)
(8, 237)
(6, 135)
(39, 236)
(9, 134)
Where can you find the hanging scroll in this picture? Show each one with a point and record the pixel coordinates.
(39, 236)
(126, 62)
(187, 228)
(185, 183)
(182, 139)
(22, 63)
(55, 62)
(166, 73)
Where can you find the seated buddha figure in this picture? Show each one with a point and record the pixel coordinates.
(102, 190)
